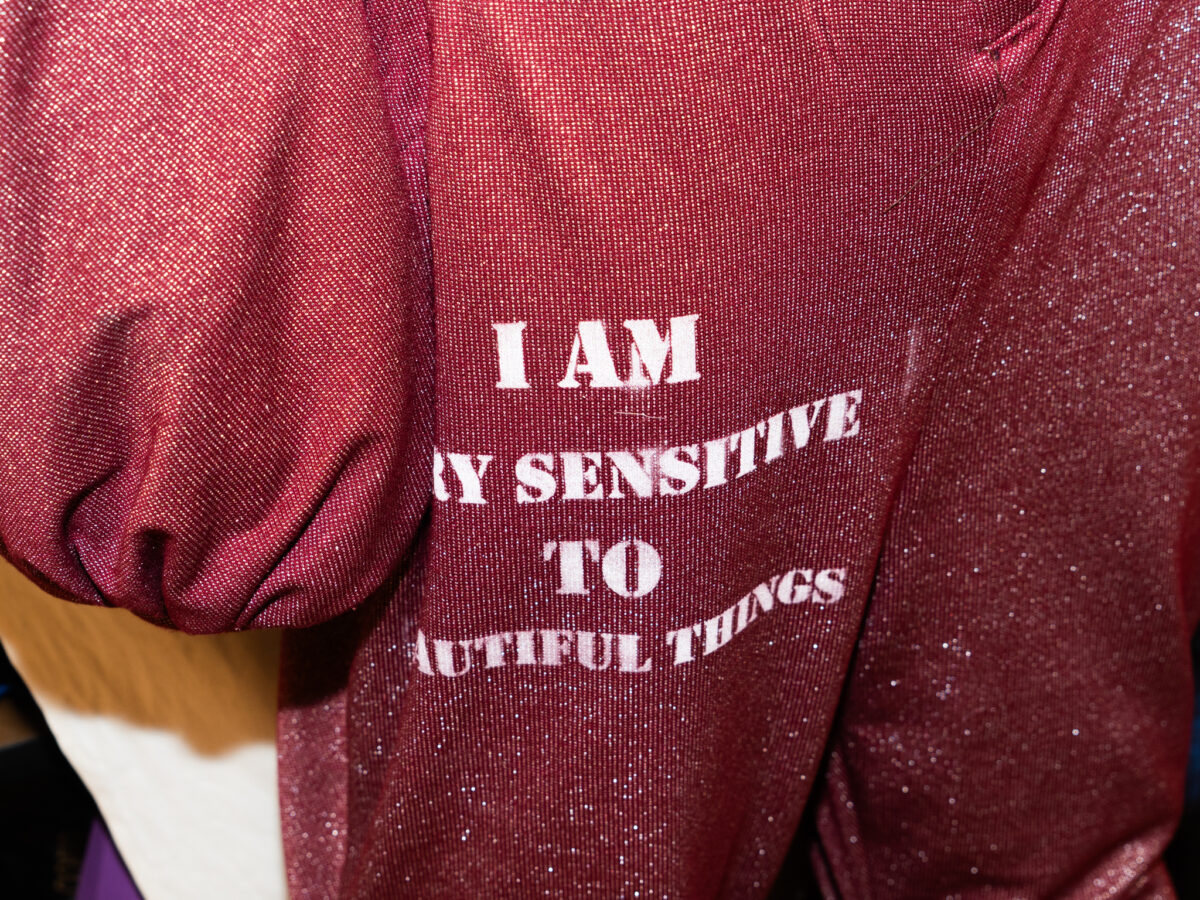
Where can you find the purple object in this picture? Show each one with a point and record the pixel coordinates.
(103, 875)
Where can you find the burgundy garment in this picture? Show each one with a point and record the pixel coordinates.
(654, 420)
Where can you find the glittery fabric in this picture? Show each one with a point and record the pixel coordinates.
(651, 419)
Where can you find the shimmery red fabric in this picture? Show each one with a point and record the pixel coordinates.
(653, 419)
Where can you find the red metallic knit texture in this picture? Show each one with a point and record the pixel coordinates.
(673, 433)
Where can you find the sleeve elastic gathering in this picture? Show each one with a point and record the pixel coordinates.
(215, 323)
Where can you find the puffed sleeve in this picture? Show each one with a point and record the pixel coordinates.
(215, 311)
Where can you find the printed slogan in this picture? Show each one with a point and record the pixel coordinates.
(630, 568)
